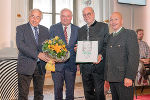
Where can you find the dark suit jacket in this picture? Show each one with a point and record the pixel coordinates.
(122, 56)
(98, 31)
(28, 49)
(57, 30)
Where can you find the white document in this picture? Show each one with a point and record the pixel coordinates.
(87, 51)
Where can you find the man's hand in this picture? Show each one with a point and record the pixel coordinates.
(127, 82)
(78, 67)
(99, 58)
(75, 48)
(145, 61)
(43, 57)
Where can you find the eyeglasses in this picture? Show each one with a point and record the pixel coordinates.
(36, 17)
(88, 14)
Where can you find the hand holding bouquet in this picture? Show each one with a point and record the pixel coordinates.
(56, 50)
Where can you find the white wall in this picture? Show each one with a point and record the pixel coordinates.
(5, 26)
(142, 20)
(9, 20)
(135, 17)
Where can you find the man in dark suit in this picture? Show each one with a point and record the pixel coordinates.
(122, 59)
(31, 65)
(93, 73)
(65, 71)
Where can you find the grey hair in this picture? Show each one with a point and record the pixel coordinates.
(36, 10)
(88, 8)
(66, 10)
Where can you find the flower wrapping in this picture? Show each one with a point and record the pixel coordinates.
(55, 49)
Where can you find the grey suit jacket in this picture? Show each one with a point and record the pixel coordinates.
(28, 49)
(98, 31)
(122, 56)
(57, 30)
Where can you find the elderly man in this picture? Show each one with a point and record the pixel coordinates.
(65, 72)
(29, 39)
(93, 73)
(122, 58)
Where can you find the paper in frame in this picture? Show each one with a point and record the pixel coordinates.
(87, 51)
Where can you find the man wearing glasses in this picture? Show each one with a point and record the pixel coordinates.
(93, 73)
(31, 65)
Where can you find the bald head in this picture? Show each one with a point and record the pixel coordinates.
(116, 21)
(88, 15)
(117, 14)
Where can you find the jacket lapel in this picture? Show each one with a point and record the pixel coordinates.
(84, 33)
(62, 33)
(40, 36)
(118, 37)
(62, 36)
(71, 35)
(31, 34)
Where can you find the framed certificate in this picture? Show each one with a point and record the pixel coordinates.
(87, 51)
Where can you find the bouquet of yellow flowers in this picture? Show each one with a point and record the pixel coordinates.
(56, 50)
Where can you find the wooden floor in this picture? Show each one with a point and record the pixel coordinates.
(145, 91)
(49, 93)
(79, 95)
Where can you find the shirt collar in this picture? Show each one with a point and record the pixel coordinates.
(67, 26)
(94, 22)
(32, 27)
(118, 30)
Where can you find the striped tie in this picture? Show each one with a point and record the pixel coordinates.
(36, 34)
(65, 33)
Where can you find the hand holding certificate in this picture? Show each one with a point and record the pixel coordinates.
(87, 51)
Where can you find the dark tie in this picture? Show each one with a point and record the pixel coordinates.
(65, 33)
(36, 34)
(88, 35)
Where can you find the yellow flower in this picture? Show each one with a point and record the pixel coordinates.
(57, 48)
(49, 41)
(49, 46)
(56, 37)
(65, 49)
(63, 46)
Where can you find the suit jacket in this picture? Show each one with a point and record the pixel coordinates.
(57, 30)
(28, 49)
(122, 56)
(98, 31)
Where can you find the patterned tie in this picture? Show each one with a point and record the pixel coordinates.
(65, 33)
(36, 34)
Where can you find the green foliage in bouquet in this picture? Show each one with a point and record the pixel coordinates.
(55, 48)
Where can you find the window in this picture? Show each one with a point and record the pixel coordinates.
(51, 10)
